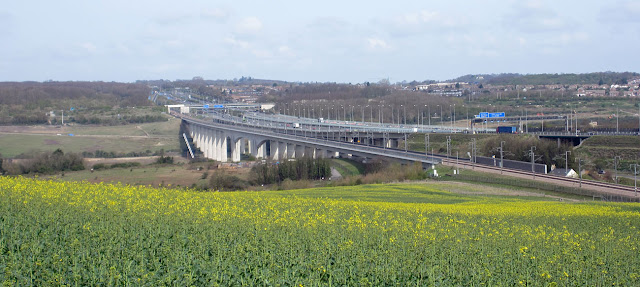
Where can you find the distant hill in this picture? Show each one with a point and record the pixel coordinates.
(606, 78)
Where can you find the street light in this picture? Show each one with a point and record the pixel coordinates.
(404, 112)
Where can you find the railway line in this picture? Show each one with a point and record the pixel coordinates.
(611, 189)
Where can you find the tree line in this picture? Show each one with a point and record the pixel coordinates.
(302, 168)
(606, 78)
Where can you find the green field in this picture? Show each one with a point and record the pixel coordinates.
(120, 139)
(146, 175)
(347, 167)
(61, 233)
(16, 144)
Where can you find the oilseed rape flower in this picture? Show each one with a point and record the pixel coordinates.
(69, 233)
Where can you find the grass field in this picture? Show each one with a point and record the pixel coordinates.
(146, 175)
(121, 139)
(61, 233)
(347, 167)
(16, 144)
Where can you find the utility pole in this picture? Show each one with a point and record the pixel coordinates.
(615, 167)
(426, 145)
(566, 159)
(580, 170)
(473, 153)
(617, 121)
(448, 145)
(501, 156)
(526, 120)
(635, 178)
(405, 142)
(533, 159)
(457, 169)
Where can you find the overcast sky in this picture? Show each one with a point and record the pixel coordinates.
(337, 41)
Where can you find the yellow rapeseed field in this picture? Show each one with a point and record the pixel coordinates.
(64, 233)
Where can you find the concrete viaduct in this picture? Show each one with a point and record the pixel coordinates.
(227, 141)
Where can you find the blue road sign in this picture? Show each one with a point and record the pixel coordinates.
(490, 115)
(206, 106)
(218, 106)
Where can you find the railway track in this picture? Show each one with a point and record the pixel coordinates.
(603, 187)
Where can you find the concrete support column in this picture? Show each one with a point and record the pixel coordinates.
(222, 147)
(291, 150)
(253, 147)
(299, 151)
(261, 150)
(275, 150)
(236, 150)
(196, 136)
(309, 151)
(283, 150)
(214, 145)
(243, 146)
(207, 143)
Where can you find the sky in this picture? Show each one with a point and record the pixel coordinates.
(308, 41)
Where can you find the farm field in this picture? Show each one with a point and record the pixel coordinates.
(65, 233)
(16, 140)
(143, 175)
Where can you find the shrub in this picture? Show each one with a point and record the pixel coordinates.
(222, 181)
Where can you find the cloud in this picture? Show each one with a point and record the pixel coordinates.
(249, 25)
(286, 51)
(236, 43)
(377, 44)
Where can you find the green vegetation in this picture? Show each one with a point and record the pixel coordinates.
(81, 234)
(102, 166)
(347, 167)
(28, 103)
(300, 169)
(23, 144)
(46, 163)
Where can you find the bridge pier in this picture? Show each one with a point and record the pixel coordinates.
(261, 150)
(291, 150)
(236, 150)
(222, 147)
(275, 150)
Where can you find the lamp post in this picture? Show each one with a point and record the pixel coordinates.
(454, 115)
(404, 112)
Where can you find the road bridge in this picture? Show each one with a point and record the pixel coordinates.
(226, 140)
